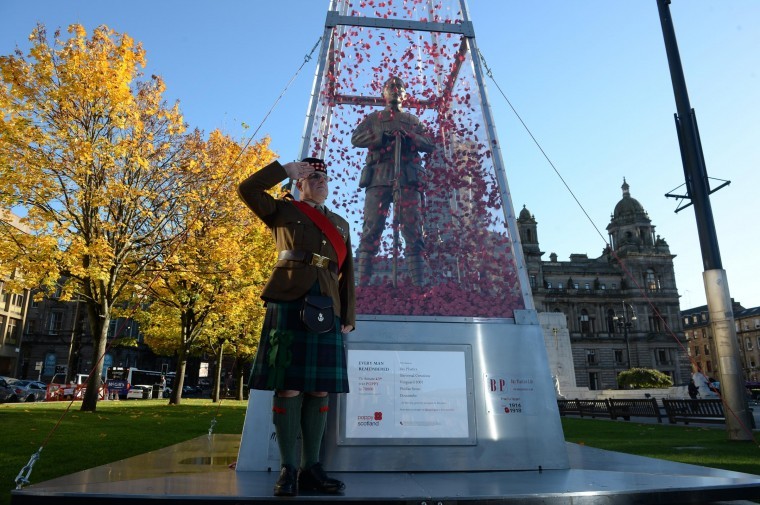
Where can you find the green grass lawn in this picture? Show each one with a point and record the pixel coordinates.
(117, 430)
(123, 429)
(674, 442)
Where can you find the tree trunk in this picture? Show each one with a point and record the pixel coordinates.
(218, 387)
(99, 328)
(239, 372)
(179, 377)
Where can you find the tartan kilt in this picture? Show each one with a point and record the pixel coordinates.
(317, 362)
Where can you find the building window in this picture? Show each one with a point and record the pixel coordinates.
(651, 281)
(602, 286)
(585, 322)
(593, 381)
(56, 322)
(686, 320)
(548, 285)
(11, 331)
(704, 316)
(708, 366)
(748, 343)
(591, 356)
(655, 322)
(663, 357)
(618, 356)
(696, 350)
(707, 350)
(559, 285)
(532, 281)
(757, 324)
(586, 286)
(610, 321)
(613, 286)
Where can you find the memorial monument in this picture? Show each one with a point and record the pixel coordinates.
(447, 366)
(451, 388)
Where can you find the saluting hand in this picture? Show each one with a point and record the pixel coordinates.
(297, 170)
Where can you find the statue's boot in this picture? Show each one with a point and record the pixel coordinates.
(416, 266)
(364, 268)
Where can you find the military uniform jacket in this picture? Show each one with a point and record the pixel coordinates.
(379, 168)
(293, 230)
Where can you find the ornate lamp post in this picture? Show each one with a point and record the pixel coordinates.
(625, 322)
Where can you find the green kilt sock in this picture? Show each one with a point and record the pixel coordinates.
(313, 420)
(286, 416)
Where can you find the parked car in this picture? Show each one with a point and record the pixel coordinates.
(191, 391)
(28, 391)
(139, 392)
(6, 392)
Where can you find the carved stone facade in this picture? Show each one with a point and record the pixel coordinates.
(622, 307)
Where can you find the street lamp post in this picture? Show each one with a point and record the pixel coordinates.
(624, 322)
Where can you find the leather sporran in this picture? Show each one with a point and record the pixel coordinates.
(317, 313)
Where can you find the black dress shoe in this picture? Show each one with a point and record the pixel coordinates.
(286, 484)
(315, 479)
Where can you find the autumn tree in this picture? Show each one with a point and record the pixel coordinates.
(96, 160)
(207, 289)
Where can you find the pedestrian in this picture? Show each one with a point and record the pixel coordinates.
(297, 359)
(693, 390)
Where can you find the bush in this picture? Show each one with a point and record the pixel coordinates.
(641, 378)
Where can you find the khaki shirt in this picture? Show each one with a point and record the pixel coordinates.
(379, 168)
(293, 230)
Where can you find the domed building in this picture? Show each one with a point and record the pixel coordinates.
(617, 318)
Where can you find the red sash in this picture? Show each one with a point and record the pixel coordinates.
(324, 224)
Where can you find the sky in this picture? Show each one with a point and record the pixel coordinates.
(589, 79)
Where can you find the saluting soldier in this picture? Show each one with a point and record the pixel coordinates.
(300, 365)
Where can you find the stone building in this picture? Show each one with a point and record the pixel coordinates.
(13, 309)
(622, 307)
(57, 335)
(701, 345)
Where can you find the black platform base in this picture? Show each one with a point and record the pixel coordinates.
(199, 472)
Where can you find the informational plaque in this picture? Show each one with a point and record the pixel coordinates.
(406, 395)
(508, 394)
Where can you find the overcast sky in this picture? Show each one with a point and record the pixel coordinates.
(589, 78)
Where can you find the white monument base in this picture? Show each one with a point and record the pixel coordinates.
(433, 394)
